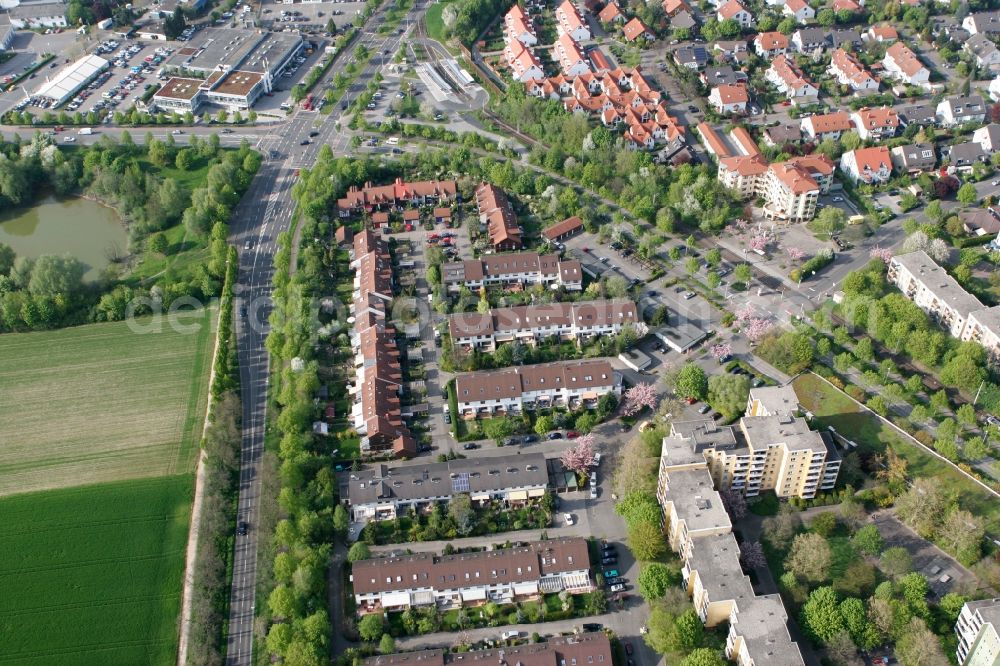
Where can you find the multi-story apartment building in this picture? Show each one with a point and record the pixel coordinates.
(770, 449)
(692, 509)
(978, 631)
(850, 72)
(939, 295)
(501, 576)
(713, 578)
(758, 634)
(529, 324)
(396, 196)
(376, 412)
(497, 215)
(522, 270)
(934, 291)
(382, 492)
(586, 649)
(570, 384)
(790, 189)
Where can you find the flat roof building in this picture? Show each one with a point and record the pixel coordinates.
(977, 630)
(587, 649)
(71, 78)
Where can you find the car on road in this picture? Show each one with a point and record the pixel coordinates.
(693, 109)
(597, 459)
(528, 439)
(838, 198)
(593, 495)
(726, 359)
(995, 183)
(242, 528)
(554, 435)
(247, 244)
(592, 626)
(226, 130)
(69, 139)
(177, 131)
(470, 446)
(507, 635)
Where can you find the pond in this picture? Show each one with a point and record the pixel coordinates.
(53, 225)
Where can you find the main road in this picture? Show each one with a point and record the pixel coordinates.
(265, 211)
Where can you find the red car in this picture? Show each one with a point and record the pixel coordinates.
(572, 434)
(691, 401)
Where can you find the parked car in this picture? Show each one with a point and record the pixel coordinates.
(614, 581)
(572, 434)
(568, 517)
(592, 626)
(612, 573)
(628, 648)
(447, 417)
(470, 446)
(610, 559)
(554, 435)
(688, 295)
(618, 588)
(704, 409)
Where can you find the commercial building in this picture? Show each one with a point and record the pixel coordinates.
(500, 576)
(568, 384)
(520, 270)
(790, 189)
(588, 649)
(946, 302)
(528, 324)
(497, 215)
(978, 631)
(6, 32)
(72, 78)
(35, 15)
(382, 492)
(376, 412)
(699, 530)
(396, 196)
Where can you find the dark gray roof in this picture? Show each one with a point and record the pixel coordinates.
(811, 36)
(692, 54)
(724, 74)
(683, 19)
(962, 154)
(921, 114)
(838, 37)
(780, 134)
(914, 156)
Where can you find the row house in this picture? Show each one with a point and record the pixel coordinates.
(867, 165)
(790, 189)
(583, 649)
(396, 196)
(512, 271)
(560, 231)
(529, 324)
(497, 215)
(729, 98)
(381, 492)
(798, 10)
(500, 576)
(569, 22)
(882, 33)
(376, 412)
(876, 124)
(938, 294)
(960, 110)
(569, 384)
(733, 10)
(850, 72)
(518, 25)
(611, 13)
(786, 76)
(810, 40)
(713, 143)
(827, 125)
(982, 23)
(988, 137)
(570, 58)
(523, 63)
(902, 64)
(770, 44)
(722, 75)
(619, 97)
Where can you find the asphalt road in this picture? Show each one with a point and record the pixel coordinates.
(264, 212)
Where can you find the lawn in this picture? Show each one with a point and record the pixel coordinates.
(833, 408)
(435, 26)
(92, 575)
(101, 403)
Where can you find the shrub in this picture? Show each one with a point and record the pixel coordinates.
(856, 392)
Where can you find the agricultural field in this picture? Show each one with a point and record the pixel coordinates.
(834, 408)
(92, 574)
(102, 402)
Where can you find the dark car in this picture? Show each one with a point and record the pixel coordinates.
(628, 648)
(572, 434)
(243, 312)
(693, 109)
(611, 559)
(470, 446)
(554, 435)
(424, 448)
(314, 133)
(304, 142)
(528, 439)
(592, 626)
(607, 546)
(242, 528)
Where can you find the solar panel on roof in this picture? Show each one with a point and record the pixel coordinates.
(460, 483)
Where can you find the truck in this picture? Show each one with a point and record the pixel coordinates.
(85, 131)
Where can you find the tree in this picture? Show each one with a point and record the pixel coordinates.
(779, 530)
(809, 558)
(728, 394)
(830, 220)
(868, 540)
(692, 382)
(735, 503)
(703, 657)
(53, 275)
(840, 647)
(359, 551)
(752, 555)
(341, 521)
(824, 524)
(156, 243)
(370, 626)
(654, 580)
(742, 273)
(918, 646)
(864, 634)
(821, 618)
(544, 424)
(499, 429)
(184, 160)
(646, 541)
(962, 533)
(579, 457)
(639, 397)
(387, 645)
(966, 415)
(967, 194)
(691, 265)
(922, 506)
(857, 580)
(460, 510)
(688, 632)
(896, 562)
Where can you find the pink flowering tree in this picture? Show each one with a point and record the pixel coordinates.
(721, 350)
(755, 329)
(579, 457)
(744, 312)
(639, 397)
(735, 504)
(883, 253)
(752, 555)
(759, 239)
(795, 253)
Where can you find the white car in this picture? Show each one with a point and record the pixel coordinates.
(69, 139)
(597, 459)
(618, 588)
(507, 635)
(568, 517)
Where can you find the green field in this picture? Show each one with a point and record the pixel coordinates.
(833, 408)
(102, 403)
(435, 26)
(92, 575)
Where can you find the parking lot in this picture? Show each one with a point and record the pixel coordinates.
(310, 16)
